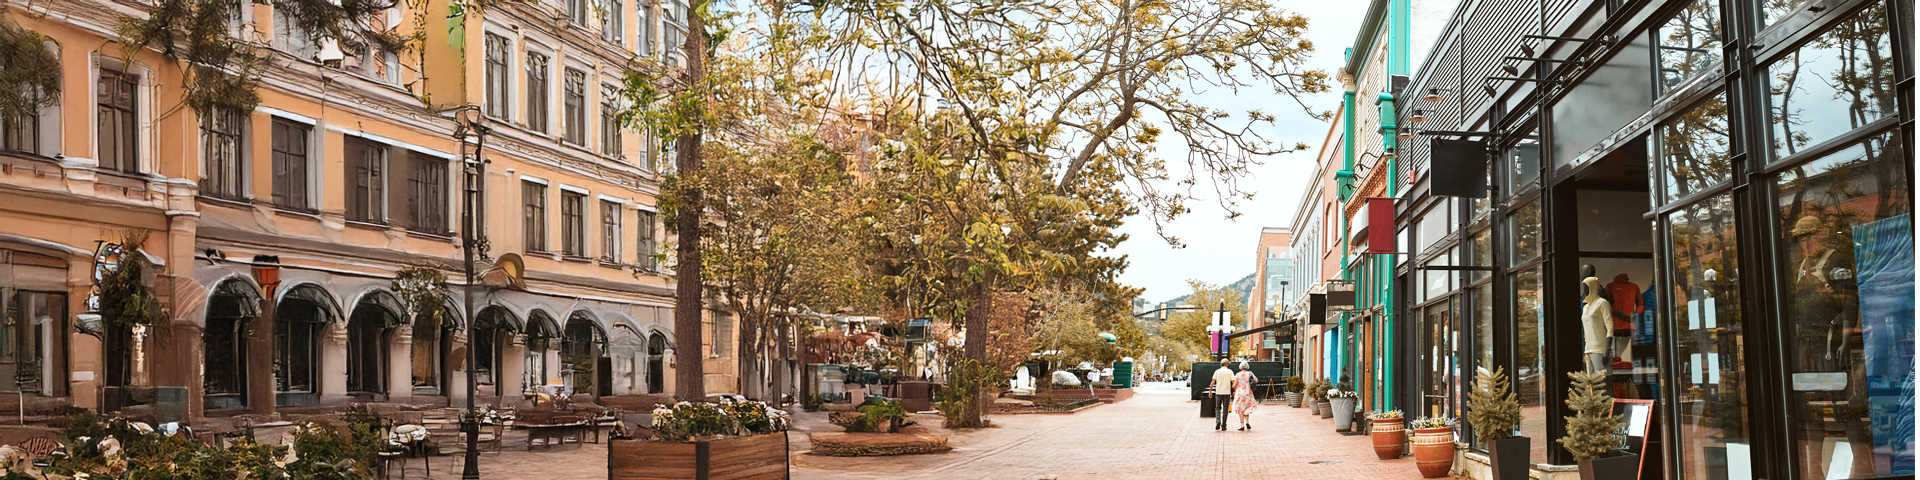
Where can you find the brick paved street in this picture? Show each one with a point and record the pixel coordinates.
(1156, 434)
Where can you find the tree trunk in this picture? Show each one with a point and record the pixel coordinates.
(689, 360)
(780, 370)
(979, 310)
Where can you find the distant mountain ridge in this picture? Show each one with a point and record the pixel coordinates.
(1244, 285)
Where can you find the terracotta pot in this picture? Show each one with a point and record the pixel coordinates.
(1389, 438)
(1433, 451)
(1326, 409)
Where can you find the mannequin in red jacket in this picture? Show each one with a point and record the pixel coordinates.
(1626, 304)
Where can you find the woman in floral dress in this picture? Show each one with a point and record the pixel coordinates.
(1243, 402)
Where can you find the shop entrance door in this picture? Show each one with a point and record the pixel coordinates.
(1615, 283)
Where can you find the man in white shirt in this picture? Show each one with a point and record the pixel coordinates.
(1222, 395)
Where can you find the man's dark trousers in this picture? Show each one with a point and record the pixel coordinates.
(1220, 405)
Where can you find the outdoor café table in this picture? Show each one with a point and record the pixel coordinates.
(556, 432)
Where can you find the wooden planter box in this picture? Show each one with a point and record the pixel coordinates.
(1106, 395)
(759, 457)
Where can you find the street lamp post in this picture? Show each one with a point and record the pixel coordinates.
(468, 120)
(1222, 325)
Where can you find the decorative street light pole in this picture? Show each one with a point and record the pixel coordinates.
(1222, 325)
(469, 121)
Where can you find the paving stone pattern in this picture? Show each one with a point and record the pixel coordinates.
(1157, 434)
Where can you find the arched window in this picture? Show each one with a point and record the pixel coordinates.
(583, 356)
(490, 331)
(656, 363)
(542, 333)
(233, 305)
(430, 351)
(299, 321)
(368, 332)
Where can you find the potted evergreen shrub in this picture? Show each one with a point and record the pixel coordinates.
(729, 440)
(1295, 389)
(1321, 406)
(1343, 401)
(1596, 437)
(1493, 412)
(1389, 433)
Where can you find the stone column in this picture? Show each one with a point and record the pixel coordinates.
(400, 365)
(333, 364)
(507, 380)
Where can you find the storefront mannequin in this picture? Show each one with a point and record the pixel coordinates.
(1625, 299)
(1596, 320)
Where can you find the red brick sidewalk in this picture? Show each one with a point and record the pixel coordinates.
(1157, 434)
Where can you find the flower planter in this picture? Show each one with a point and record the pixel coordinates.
(1325, 409)
(1293, 399)
(1343, 414)
(759, 457)
(1433, 451)
(1508, 457)
(1623, 466)
(1389, 438)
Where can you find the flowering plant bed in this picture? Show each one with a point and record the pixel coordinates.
(727, 440)
(1054, 407)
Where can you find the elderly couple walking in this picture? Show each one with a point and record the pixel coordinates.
(1240, 400)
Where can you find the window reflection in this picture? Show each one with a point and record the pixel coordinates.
(1839, 81)
(1689, 44)
(1850, 306)
(1529, 366)
(1526, 233)
(1708, 333)
(1694, 150)
(1523, 161)
(1482, 255)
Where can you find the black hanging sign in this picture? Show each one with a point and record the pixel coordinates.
(1459, 168)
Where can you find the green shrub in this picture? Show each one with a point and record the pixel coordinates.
(879, 415)
(1295, 384)
(1491, 408)
(1593, 430)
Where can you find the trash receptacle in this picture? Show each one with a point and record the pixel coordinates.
(1207, 407)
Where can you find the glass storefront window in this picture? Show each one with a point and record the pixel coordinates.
(1693, 150)
(1839, 81)
(1483, 326)
(1482, 254)
(1437, 282)
(1523, 161)
(1526, 233)
(1529, 370)
(1689, 44)
(1849, 313)
(1708, 337)
(1436, 224)
(1437, 356)
(1771, 11)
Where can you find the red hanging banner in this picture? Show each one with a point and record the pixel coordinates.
(1380, 221)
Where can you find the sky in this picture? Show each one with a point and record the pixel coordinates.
(1218, 250)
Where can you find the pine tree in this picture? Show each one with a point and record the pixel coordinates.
(1594, 429)
(1491, 407)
